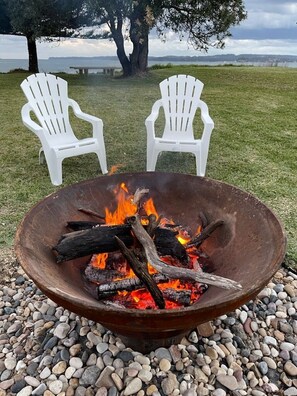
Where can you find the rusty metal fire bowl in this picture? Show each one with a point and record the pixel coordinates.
(248, 248)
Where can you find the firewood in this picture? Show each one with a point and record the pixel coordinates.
(139, 193)
(205, 233)
(100, 239)
(105, 290)
(141, 272)
(81, 225)
(182, 297)
(176, 272)
(95, 240)
(98, 275)
(168, 245)
(203, 219)
(92, 213)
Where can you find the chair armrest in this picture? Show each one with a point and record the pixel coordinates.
(205, 114)
(96, 122)
(208, 124)
(28, 122)
(150, 120)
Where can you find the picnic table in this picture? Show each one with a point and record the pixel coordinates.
(105, 69)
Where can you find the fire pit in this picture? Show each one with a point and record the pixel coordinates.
(248, 248)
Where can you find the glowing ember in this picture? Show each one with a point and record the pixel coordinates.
(176, 293)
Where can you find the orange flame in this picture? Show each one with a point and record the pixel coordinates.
(99, 260)
(114, 169)
(125, 208)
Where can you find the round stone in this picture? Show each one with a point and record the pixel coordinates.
(55, 386)
(61, 330)
(133, 387)
(164, 365)
(75, 362)
(290, 369)
(10, 363)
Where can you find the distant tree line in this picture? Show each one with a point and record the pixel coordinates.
(201, 23)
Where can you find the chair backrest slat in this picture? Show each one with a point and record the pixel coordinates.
(180, 96)
(48, 96)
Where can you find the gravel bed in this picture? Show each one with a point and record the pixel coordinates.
(47, 350)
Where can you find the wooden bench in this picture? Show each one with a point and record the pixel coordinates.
(110, 70)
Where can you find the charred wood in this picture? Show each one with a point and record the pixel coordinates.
(95, 240)
(129, 284)
(182, 297)
(168, 245)
(141, 272)
(101, 239)
(203, 219)
(92, 213)
(81, 225)
(205, 233)
(176, 272)
(97, 275)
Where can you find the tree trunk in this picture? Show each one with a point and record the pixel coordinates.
(139, 31)
(32, 51)
(124, 61)
(139, 56)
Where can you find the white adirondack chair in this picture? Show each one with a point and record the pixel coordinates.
(48, 99)
(180, 99)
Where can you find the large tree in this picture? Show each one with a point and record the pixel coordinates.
(39, 19)
(202, 23)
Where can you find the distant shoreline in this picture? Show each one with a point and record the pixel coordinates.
(176, 58)
(64, 64)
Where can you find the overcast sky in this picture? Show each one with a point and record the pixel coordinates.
(270, 28)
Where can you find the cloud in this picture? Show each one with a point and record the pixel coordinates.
(270, 28)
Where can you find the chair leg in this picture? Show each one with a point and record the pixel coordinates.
(41, 157)
(102, 161)
(55, 170)
(200, 168)
(151, 159)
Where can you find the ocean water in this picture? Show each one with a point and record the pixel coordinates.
(56, 65)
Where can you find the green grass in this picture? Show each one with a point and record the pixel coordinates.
(253, 146)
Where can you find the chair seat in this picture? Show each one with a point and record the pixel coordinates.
(178, 142)
(76, 144)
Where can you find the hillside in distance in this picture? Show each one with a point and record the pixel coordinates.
(242, 58)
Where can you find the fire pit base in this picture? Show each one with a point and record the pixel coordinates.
(248, 248)
(146, 345)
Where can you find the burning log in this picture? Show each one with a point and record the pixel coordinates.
(107, 289)
(168, 245)
(81, 225)
(176, 272)
(101, 239)
(205, 233)
(98, 275)
(182, 297)
(141, 271)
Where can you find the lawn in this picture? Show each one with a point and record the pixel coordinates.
(253, 146)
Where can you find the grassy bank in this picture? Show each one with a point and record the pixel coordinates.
(253, 145)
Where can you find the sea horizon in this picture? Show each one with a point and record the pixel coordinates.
(63, 64)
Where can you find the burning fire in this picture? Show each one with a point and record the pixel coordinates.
(142, 299)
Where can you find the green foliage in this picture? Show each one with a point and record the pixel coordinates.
(159, 66)
(253, 145)
(201, 24)
(40, 18)
(5, 25)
